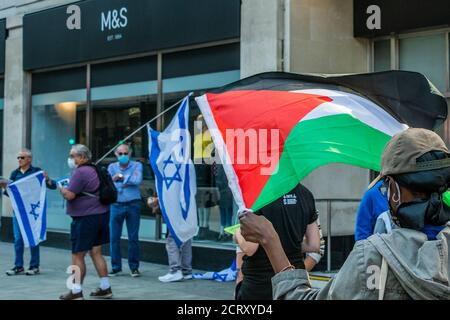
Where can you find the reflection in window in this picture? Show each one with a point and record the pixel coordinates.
(52, 131)
(382, 55)
(113, 121)
(426, 55)
(215, 205)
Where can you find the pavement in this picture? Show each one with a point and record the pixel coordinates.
(50, 283)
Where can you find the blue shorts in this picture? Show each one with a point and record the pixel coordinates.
(89, 231)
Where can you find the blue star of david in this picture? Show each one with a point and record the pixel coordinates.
(168, 180)
(33, 210)
(221, 276)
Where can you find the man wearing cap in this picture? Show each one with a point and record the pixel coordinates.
(411, 261)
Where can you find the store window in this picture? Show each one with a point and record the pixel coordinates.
(199, 70)
(2, 103)
(427, 55)
(382, 55)
(2, 87)
(123, 98)
(57, 100)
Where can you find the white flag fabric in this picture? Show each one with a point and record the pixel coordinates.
(175, 179)
(28, 199)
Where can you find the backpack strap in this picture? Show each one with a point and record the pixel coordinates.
(383, 278)
(92, 195)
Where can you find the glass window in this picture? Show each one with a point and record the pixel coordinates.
(426, 55)
(114, 120)
(216, 209)
(53, 129)
(382, 55)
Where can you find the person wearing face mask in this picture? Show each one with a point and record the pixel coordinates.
(127, 177)
(25, 168)
(427, 188)
(411, 261)
(89, 229)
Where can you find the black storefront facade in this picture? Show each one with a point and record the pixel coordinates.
(100, 69)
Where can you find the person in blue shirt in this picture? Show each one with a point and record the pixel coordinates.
(24, 159)
(127, 177)
(373, 203)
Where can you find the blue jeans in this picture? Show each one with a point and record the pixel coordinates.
(226, 215)
(19, 248)
(131, 213)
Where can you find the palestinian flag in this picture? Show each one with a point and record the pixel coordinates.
(302, 122)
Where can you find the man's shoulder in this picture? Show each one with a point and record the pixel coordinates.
(113, 165)
(35, 169)
(376, 190)
(136, 164)
(14, 173)
(85, 169)
(304, 192)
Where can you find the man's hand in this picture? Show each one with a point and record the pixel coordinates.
(117, 177)
(256, 228)
(153, 202)
(68, 195)
(45, 174)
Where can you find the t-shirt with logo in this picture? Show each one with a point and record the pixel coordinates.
(290, 216)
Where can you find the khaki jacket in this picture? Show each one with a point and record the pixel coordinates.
(417, 269)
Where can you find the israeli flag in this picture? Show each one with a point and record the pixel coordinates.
(226, 275)
(28, 201)
(175, 180)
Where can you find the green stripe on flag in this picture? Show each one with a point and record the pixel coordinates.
(232, 229)
(317, 142)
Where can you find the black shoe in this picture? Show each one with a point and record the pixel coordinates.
(102, 294)
(135, 273)
(72, 296)
(201, 234)
(114, 273)
(15, 271)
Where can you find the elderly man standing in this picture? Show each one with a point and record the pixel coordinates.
(127, 176)
(25, 169)
(89, 229)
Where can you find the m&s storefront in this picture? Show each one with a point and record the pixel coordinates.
(100, 69)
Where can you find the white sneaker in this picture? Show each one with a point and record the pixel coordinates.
(187, 276)
(172, 277)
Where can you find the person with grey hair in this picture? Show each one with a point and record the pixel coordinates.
(24, 158)
(127, 177)
(89, 229)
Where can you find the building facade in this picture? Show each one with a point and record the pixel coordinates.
(93, 71)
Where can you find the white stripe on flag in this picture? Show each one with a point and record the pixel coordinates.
(28, 199)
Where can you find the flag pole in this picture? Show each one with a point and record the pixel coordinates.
(141, 127)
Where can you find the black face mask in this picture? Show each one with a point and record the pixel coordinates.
(417, 213)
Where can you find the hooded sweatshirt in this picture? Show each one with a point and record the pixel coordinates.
(418, 269)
